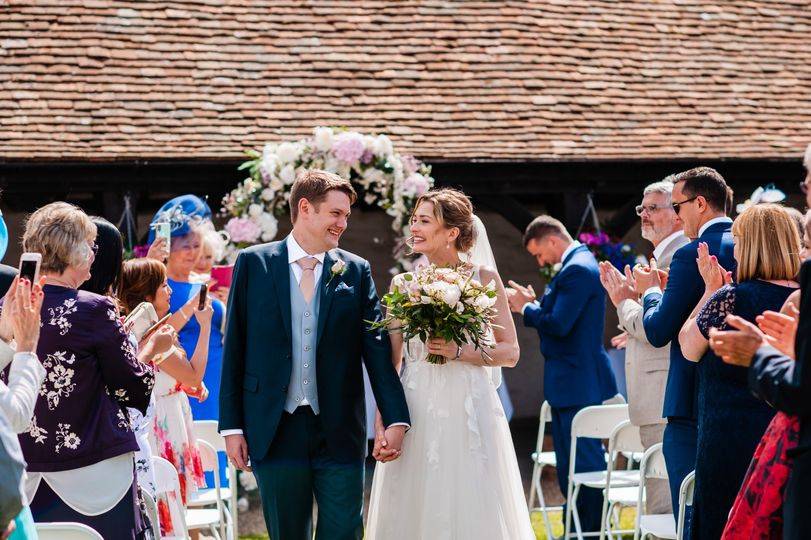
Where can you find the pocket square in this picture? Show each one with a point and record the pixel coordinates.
(344, 289)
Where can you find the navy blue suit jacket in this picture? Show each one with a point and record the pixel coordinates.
(570, 321)
(257, 358)
(666, 313)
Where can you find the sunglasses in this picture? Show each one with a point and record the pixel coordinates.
(677, 205)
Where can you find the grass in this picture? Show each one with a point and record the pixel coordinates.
(626, 521)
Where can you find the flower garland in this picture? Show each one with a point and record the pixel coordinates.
(382, 177)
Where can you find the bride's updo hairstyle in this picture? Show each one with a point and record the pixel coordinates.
(452, 209)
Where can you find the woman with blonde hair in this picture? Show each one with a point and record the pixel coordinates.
(731, 421)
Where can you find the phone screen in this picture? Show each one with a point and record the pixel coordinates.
(28, 269)
(201, 304)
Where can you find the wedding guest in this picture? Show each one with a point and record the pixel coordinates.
(211, 251)
(105, 279)
(172, 426)
(20, 320)
(79, 434)
(187, 216)
(645, 365)
(700, 197)
(805, 253)
(776, 378)
(731, 421)
(577, 372)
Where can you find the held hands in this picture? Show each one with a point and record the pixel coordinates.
(618, 286)
(518, 296)
(780, 329)
(737, 347)
(711, 270)
(388, 442)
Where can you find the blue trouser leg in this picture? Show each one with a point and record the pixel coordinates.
(679, 447)
(590, 457)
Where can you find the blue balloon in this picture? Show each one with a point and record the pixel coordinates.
(3, 236)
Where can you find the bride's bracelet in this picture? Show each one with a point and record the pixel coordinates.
(485, 357)
(458, 352)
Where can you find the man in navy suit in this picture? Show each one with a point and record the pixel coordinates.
(700, 198)
(569, 320)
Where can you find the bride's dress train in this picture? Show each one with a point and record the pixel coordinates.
(457, 478)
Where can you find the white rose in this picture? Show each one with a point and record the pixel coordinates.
(382, 146)
(483, 302)
(267, 194)
(269, 225)
(338, 267)
(451, 295)
(288, 174)
(255, 210)
(288, 152)
(269, 164)
(322, 138)
(332, 164)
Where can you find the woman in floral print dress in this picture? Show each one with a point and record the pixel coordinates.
(144, 280)
(80, 436)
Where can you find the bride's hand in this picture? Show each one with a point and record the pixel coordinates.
(380, 438)
(440, 347)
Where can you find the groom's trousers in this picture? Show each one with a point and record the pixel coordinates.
(297, 468)
(590, 457)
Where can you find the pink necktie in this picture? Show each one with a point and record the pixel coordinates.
(307, 282)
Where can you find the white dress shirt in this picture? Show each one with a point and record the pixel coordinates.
(658, 250)
(573, 246)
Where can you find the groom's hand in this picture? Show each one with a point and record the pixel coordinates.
(390, 446)
(236, 448)
(518, 296)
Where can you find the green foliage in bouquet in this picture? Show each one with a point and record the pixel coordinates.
(444, 303)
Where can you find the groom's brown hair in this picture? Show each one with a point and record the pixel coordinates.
(313, 185)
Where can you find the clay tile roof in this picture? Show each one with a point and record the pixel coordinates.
(456, 80)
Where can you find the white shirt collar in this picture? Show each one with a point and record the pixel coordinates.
(573, 246)
(295, 252)
(710, 223)
(658, 250)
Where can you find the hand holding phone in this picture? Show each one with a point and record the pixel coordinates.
(29, 266)
(201, 302)
(163, 232)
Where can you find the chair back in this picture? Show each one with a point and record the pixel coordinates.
(208, 430)
(615, 400)
(686, 492)
(166, 482)
(625, 438)
(152, 511)
(545, 416)
(66, 531)
(653, 463)
(598, 421)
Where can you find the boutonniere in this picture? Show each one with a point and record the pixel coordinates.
(337, 269)
(549, 271)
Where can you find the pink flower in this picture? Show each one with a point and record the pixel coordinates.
(243, 230)
(415, 185)
(367, 156)
(140, 251)
(349, 147)
(410, 164)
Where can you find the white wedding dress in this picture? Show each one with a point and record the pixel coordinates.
(457, 477)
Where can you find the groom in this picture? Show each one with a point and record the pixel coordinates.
(291, 395)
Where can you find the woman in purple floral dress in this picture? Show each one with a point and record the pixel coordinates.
(79, 446)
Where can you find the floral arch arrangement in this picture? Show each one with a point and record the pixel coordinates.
(382, 177)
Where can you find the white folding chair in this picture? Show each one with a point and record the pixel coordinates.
(208, 518)
(659, 525)
(207, 430)
(166, 482)
(152, 510)
(686, 492)
(541, 459)
(66, 531)
(596, 422)
(623, 440)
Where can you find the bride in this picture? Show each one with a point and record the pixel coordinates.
(456, 476)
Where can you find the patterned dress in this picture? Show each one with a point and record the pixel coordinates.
(731, 421)
(173, 430)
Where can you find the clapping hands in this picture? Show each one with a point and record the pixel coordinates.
(714, 275)
(780, 329)
(618, 286)
(518, 296)
(649, 276)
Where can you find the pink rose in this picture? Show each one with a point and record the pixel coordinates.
(243, 230)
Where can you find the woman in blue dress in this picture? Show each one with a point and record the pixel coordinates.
(731, 421)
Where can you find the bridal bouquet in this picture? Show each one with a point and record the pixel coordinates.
(444, 303)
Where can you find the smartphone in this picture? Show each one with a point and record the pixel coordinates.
(201, 303)
(29, 266)
(163, 229)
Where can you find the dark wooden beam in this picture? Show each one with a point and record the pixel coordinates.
(509, 208)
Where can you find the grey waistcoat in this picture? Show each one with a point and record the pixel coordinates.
(304, 327)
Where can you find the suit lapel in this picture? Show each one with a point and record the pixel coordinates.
(327, 292)
(280, 270)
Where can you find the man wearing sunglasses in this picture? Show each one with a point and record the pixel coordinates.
(700, 198)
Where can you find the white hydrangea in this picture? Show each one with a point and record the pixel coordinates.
(288, 152)
(323, 138)
(287, 174)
